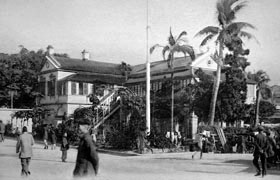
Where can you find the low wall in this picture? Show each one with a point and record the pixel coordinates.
(6, 115)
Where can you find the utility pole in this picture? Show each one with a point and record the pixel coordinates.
(148, 75)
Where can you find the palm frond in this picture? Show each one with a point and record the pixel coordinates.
(186, 49)
(238, 26)
(235, 8)
(205, 40)
(239, 6)
(184, 33)
(183, 41)
(208, 30)
(164, 50)
(227, 9)
(171, 39)
(154, 47)
(224, 11)
(248, 36)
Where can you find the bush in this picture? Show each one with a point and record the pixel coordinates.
(125, 139)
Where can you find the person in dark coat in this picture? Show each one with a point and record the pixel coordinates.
(64, 147)
(24, 148)
(2, 131)
(261, 145)
(46, 132)
(87, 162)
(53, 137)
(271, 150)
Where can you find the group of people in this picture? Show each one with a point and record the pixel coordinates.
(50, 134)
(87, 162)
(265, 150)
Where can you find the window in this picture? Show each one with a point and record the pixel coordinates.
(81, 88)
(65, 89)
(61, 88)
(51, 88)
(93, 89)
(73, 88)
(85, 88)
(51, 85)
(42, 87)
(159, 85)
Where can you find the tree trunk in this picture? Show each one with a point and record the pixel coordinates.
(257, 120)
(216, 87)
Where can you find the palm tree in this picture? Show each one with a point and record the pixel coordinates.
(225, 35)
(263, 91)
(175, 45)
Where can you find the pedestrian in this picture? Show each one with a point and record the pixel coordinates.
(200, 143)
(261, 145)
(213, 143)
(141, 140)
(93, 134)
(46, 133)
(87, 162)
(64, 147)
(24, 148)
(53, 137)
(2, 131)
(271, 150)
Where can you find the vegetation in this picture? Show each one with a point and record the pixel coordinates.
(266, 109)
(262, 78)
(19, 72)
(175, 45)
(225, 35)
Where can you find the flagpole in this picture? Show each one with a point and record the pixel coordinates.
(148, 108)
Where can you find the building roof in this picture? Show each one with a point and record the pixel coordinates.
(88, 66)
(96, 78)
(180, 63)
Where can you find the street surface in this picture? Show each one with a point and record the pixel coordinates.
(47, 165)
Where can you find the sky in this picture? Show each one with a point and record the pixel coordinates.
(115, 30)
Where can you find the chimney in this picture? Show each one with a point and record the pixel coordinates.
(85, 55)
(50, 50)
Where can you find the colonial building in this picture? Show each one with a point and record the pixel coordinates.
(67, 82)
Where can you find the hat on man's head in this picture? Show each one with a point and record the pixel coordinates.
(83, 115)
(83, 122)
(260, 128)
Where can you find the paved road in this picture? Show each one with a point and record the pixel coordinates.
(47, 165)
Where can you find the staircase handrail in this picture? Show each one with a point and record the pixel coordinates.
(221, 135)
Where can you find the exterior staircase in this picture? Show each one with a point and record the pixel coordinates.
(221, 139)
(108, 105)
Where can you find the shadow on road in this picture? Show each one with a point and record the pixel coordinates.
(49, 160)
(8, 155)
(116, 153)
(250, 166)
(174, 158)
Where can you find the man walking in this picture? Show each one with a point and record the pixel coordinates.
(2, 131)
(261, 145)
(87, 161)
(46, 132)
(200, 143)
(24, 148)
